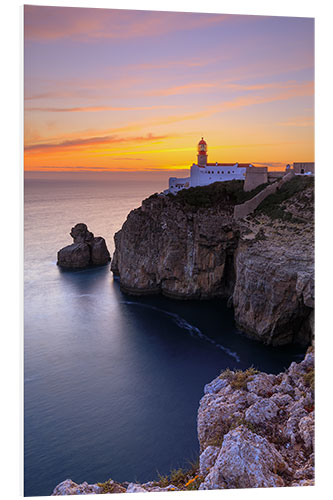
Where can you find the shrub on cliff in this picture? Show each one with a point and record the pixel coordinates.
(228, 193)
(274, 205)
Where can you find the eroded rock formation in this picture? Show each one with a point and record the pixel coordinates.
(257, 430)
(85, 251)
(163, 247)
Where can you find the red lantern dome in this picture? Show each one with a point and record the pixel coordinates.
(202, 147)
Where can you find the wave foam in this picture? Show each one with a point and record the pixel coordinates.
(182, 323)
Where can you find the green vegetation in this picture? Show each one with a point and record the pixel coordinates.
(226, 374)
(163, 481)
(239, 378)
(273, 207)
(183, 479)
(309, 380)
(111, 487)
(249, 425)
(217, 433)
(228, 193)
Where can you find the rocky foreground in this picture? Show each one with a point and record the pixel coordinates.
(255, 430)
(189, 246)
(86, 250)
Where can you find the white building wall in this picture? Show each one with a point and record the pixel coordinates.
(202, 176)
(177, 183)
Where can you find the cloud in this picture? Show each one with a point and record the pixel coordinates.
(81, 87)
(197, 62)
(294, 91)
(91, 141)
(101, 108)
(85, 24)
(183, 89)
(277, 94)
(262, 86)
(298, 122)
(222, 84)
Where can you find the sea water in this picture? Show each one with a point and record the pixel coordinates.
(112, 383)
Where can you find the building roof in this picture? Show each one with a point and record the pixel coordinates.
(239, 165)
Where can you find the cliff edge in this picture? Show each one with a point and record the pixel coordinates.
(189, 246)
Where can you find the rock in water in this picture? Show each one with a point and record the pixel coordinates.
(74, 256)
(99, 252)
(86, 250)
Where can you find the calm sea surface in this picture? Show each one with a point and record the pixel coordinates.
(113, 382)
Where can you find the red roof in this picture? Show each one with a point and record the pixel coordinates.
(242, 165)
(202, 141)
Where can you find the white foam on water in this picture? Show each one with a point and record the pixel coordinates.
(182, 323)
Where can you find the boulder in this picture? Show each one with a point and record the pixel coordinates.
(261, 412)
(99, 252)
(86, 250)
(68, 487)
(246, 460)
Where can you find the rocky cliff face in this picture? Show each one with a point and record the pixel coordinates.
(165, 247)
(273, 296)
(264, 263)
(85, 251)
(255, 430)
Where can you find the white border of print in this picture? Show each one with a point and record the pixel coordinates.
(12, 230)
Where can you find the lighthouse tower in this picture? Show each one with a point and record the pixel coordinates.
(202, 153)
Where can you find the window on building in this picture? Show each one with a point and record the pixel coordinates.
(228, 171)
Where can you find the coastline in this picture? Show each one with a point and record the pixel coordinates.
(255, 430)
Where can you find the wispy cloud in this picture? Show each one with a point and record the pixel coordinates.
(90, 109)
(277, 94)
(298, 122)
(84, 24)
(183, 89)
(207, 86)
(294, 91)
(197, 62)
(92, 141)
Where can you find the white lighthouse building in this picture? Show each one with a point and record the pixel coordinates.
(203, 173)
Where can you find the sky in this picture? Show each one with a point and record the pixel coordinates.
(130, 91)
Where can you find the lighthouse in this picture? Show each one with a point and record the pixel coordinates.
(202, 153)
(203, 173)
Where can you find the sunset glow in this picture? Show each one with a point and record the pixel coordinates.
(132, 91)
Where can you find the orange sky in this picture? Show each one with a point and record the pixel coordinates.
(130, 91)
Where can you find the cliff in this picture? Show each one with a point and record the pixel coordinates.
(255, 430)
(190, 246)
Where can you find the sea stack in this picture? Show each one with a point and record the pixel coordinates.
(86, 250)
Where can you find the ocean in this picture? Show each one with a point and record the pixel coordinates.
(112, 383)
